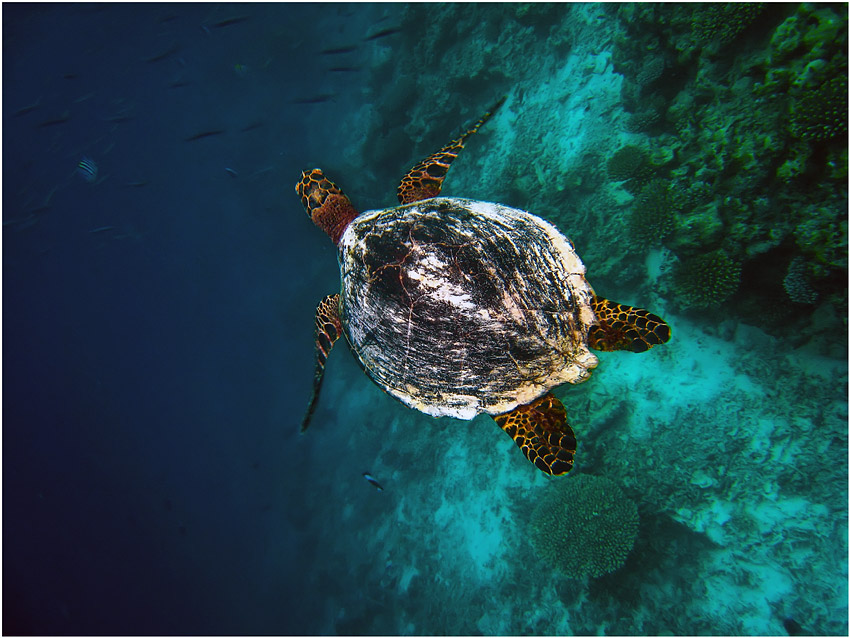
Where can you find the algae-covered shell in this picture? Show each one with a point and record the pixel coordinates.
(458, 307)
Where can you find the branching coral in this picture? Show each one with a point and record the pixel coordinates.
(706, 280)
(587, 526)
(651, 219)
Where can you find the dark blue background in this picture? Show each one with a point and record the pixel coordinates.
(152, 480)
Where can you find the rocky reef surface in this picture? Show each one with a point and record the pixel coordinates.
(697, 157)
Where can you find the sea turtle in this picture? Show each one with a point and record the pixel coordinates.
(457, 307)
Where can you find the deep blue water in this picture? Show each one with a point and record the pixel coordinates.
(149, 391)
(157, 351)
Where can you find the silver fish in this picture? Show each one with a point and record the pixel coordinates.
(87, 169)
(372, 480)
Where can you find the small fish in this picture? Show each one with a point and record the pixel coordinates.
(178, 84)
(338, 50)
(202, 135)
(231, 172)
(135, 184)
(29, 108)
(85, 97)
(161, 56)
(56, 120)
(101, 229)
(251, 127)
(344, 69)
(70, 76)
(228, 21)
(123, 117)
(87, 169)
(316, 99)
(47, 199)
(260, 171)
(38, 209)
(371, 479)
(25, 222)
(383, 33)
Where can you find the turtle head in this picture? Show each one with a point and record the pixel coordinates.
(328, 207)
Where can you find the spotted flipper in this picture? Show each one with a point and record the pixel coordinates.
(425, 180)
(623, 327)
(541, 431)
(328, 207)
(328, 330)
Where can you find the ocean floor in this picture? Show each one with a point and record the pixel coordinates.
(732, 445)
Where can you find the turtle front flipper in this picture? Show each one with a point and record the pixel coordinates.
(425, 180)
(328, 330)
(622, 327)
(541, 431)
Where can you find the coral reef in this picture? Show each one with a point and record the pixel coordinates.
(821, 114)
(822, 236)
(652, 69)
(706, 280)
(651, 218)
(629, 162)
(643, 121)
(585, 526)
(722, 21)
(760, 123)
(796, 283)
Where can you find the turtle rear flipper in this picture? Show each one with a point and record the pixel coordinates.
(541, 431)
(622, 327)
(328, 329)
(425, 180)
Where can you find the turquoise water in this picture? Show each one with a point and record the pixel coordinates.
(158, 316)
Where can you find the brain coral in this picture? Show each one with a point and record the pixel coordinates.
(822, 113)
(587, 526)
(706, 280)
(651, 219)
